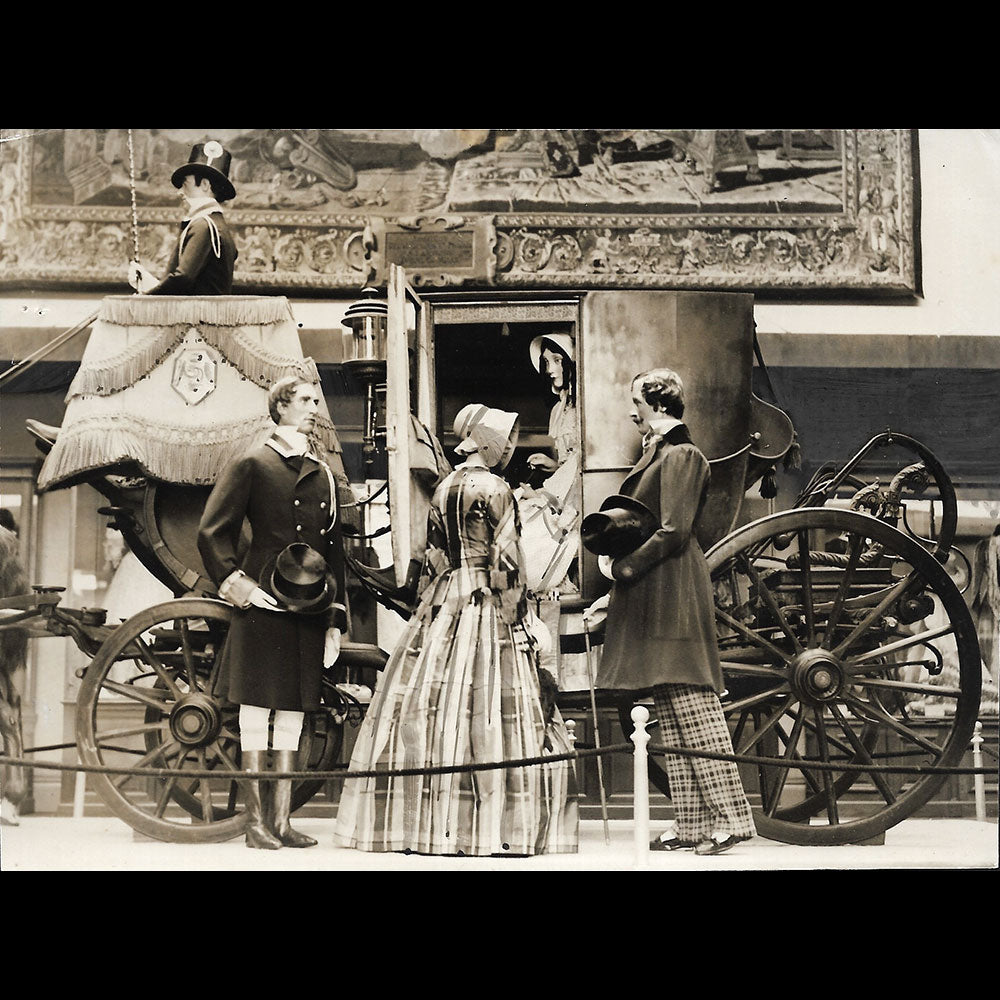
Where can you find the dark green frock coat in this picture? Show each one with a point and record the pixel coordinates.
(272, 659)
(661, 614)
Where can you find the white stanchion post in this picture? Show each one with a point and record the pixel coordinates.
(640, 781)
(79, 792)
(980, 779)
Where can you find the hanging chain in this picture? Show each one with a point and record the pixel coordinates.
(135, 212)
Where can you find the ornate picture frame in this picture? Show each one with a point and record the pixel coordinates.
(781, 210)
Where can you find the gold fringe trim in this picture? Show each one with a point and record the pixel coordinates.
(120, 371)
(176, 455)
(261, 366)
(327, 435)
(212, 310)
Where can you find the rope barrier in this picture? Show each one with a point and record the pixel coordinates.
(578, 754)
(815, 765)
(170, 772)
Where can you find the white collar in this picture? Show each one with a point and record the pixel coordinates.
(659, 427)
(663, 425)
(289, 442)
(201, 206)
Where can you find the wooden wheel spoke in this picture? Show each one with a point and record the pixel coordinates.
(793, 754)
(761, 731)
(740, 726)
(742, 704)
(873, 713)
(765, 592)
(163, 751)
(748, 633)
(168, 786)
(832, 740)
(807, 586)
(926, 689)
(153, 661)
(224, 757)
(752, 655)
(829, 792)
(833, 618)
(207, 813)
(891, 596)
(779, 784)
(234, 790)
(861, 751)
(163, 726)
(854, 664)
(753, 670)
(189, 665)
(143, 695)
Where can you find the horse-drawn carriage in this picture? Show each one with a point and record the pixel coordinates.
(834, 616)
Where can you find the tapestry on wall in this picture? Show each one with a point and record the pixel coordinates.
(786, 210)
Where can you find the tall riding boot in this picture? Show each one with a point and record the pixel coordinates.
(258, 835)
(285, 761)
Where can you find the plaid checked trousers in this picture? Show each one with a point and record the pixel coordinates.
(708, 795)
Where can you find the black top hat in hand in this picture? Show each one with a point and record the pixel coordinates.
(208, 159)
(300, 580)
(620, 527)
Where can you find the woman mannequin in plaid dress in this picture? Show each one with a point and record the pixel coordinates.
(462, 687)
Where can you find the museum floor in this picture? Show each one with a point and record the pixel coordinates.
(50, 843)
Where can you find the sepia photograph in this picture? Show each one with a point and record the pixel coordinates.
(499, 499)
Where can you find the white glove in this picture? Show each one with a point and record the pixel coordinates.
(539, 632)
(331, 647)
(597, 612)
(139, 278)
(261, 599)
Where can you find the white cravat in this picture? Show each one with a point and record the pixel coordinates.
(201, 206)
(294, 440)
(659, 427)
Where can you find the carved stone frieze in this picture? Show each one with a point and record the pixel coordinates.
(329, 209)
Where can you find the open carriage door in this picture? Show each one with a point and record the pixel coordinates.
(407, 312)
(707, 338)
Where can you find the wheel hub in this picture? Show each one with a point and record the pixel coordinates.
(195, 720)
(817, 676)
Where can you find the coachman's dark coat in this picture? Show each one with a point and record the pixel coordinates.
(194, 268)
(272, 659)
(661, 614)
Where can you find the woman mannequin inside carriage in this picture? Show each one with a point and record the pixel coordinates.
(461, 687)
(553, 355)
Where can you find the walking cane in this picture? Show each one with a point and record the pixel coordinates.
(597, 731)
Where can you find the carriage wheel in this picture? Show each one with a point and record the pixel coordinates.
(827, 661)
(146, 703)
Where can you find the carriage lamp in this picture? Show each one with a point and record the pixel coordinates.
(365, 336)
(365, 323)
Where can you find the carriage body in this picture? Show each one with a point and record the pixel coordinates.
(811, 657)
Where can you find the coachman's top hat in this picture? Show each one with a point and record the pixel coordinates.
(301, 580)
(208, 159)
(620, 527)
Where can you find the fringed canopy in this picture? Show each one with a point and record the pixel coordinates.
(174, 387)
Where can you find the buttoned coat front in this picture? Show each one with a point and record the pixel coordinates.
(272, 659)
(661, 613)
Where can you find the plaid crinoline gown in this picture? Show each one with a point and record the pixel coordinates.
(461, 687)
